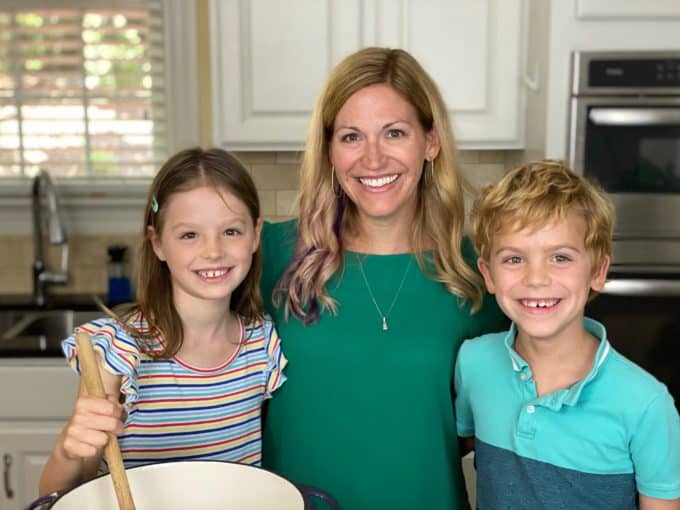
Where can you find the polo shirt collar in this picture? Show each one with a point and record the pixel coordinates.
(568, 396)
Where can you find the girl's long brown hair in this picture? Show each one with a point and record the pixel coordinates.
(186, 170)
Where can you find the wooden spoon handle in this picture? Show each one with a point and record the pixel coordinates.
(89, 369)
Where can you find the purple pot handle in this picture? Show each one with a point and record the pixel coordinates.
(45, 502)
(311, 494)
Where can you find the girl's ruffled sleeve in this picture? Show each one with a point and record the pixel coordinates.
(117, 348)
(276, 360)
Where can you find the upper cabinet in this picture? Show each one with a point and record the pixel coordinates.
(269, 60)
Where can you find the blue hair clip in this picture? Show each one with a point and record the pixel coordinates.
(154, 204)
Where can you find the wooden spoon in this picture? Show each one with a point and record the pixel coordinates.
(89, 369)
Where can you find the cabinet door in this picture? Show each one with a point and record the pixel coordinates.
(636, 9)
(473, 51)
(24, 450)
(270, 59)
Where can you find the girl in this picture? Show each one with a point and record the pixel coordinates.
(193, 358)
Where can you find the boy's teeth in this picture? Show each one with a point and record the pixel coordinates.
(212, 274)
(377, 182)
(539, 303)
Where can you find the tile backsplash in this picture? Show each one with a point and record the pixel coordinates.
(276, 177)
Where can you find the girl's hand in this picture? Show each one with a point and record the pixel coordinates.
(87, 431)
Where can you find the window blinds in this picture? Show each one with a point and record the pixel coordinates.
(82, 88)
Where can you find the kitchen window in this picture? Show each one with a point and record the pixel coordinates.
(83, 90)
(97, 92)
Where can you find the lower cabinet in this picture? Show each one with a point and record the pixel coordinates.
(24, 449)
(36, 402)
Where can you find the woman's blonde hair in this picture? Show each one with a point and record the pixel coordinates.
(536, 194)
(187, 170)
(324, 217)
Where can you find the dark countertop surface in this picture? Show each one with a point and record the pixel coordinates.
(55, 301)
(44, 339)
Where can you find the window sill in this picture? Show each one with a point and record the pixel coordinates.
(88, 207)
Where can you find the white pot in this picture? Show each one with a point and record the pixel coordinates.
(184, 485)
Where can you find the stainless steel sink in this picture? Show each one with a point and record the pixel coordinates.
(30, 333)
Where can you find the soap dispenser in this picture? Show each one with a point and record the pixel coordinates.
(120, 290)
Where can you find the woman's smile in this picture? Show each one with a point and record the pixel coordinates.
(379, 182)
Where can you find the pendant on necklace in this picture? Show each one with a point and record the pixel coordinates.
(384, 324)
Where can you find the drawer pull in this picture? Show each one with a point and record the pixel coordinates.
(7, 465)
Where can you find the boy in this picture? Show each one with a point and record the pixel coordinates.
(559, 418)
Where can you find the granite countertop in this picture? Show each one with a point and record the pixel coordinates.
(55, 301)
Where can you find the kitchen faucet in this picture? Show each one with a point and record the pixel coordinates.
(46, 212)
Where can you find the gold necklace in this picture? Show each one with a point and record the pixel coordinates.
(383, 316)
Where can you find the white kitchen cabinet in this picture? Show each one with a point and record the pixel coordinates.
(24, 450)
(634, 9)
(37, 399)
(270, 59)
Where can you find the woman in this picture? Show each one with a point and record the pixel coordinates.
(372, 291)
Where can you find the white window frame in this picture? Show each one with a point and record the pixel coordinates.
(115, 206)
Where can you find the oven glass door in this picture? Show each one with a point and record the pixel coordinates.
(642, 318)
(633, 148)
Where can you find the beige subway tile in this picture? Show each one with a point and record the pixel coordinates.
(249, 158)
(483, 174)
(89, 250)
(492, 156)
(16, 264)
(514, 158)
(289, 158)
(469, 156)
(7, 256)
(84, 280)
(16, 279)
(87, 264)
(268, 202)
(275, 177)
(19, 249)
(286, 203)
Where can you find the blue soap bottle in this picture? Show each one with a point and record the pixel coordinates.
(120, 290)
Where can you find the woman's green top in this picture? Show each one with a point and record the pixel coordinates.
(366, 414)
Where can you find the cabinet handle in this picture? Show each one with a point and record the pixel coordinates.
(7, 465)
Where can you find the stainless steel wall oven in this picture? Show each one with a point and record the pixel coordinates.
(624, 134)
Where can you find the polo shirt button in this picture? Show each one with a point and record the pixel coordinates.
(531, 409)
(523, 376)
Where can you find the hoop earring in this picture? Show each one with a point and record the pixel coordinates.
(429, 176)
(339, 192)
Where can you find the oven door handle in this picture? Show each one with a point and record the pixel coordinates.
(634, 116)
(642, 287)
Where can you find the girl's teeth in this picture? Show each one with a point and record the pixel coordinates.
(212, 274)
(378, 182)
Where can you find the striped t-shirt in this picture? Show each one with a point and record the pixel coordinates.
(180, 412)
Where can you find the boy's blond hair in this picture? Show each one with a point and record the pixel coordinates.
(536, 194)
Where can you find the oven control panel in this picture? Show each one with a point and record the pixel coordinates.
(634, 73)
(626, 73)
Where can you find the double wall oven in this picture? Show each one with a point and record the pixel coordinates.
(624, 134)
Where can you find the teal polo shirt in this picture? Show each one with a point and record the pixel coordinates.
(593, 445)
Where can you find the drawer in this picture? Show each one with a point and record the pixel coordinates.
(37, 390)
